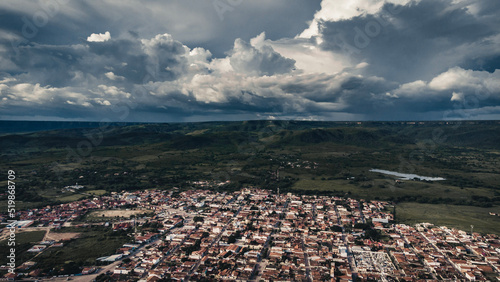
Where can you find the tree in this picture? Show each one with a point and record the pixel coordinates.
(373, 234)
(231, 239)
(325, 277)
(336, 228)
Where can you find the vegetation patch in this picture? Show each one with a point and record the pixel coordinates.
(461, 217)
(24, 241)
(93, 242)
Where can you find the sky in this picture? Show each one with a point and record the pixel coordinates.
(191, 60)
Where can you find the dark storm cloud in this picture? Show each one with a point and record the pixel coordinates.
(177, 61)
(157, 59)
(48, 65)
(211, 24)
(416, 41)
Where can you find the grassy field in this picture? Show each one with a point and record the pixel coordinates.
(91, 244)
(326, 185)
(461, 217)
(458, 216)
(24, 241)
(96, 192)
(63, 197)
(385, 189)
(21, 205)
(71, 198)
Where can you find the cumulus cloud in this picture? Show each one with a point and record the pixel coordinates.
(166, 74)
(457, 96)
(99, 37)
(110, 75)
(26, 94)
(258, 58)
(360, 60)
(458, 78)
(453, 89)
(309, 56)
(455, 79)
(332, 10)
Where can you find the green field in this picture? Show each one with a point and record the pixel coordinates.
(458, 216)
(384, 188)
(93, 243)
(461, 217)
(24, 241)
(71, 198)
(96, 192)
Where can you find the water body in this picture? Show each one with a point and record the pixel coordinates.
(407, 176)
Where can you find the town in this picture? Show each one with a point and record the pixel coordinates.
(258, 235)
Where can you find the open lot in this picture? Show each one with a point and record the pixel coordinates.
(116, 213)
(90, 244)
(96, 192)
(461, 217)
(62, 236)
(24, 241)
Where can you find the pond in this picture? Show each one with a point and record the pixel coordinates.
(407, 176)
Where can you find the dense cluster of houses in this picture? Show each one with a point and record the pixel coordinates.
(253, 234)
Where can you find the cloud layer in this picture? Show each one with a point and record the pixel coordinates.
(363, 60)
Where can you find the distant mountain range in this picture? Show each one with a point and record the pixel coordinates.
(9, 126)
(192, 135)
(313, 157)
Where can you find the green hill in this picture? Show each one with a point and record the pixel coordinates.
(313, 157)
